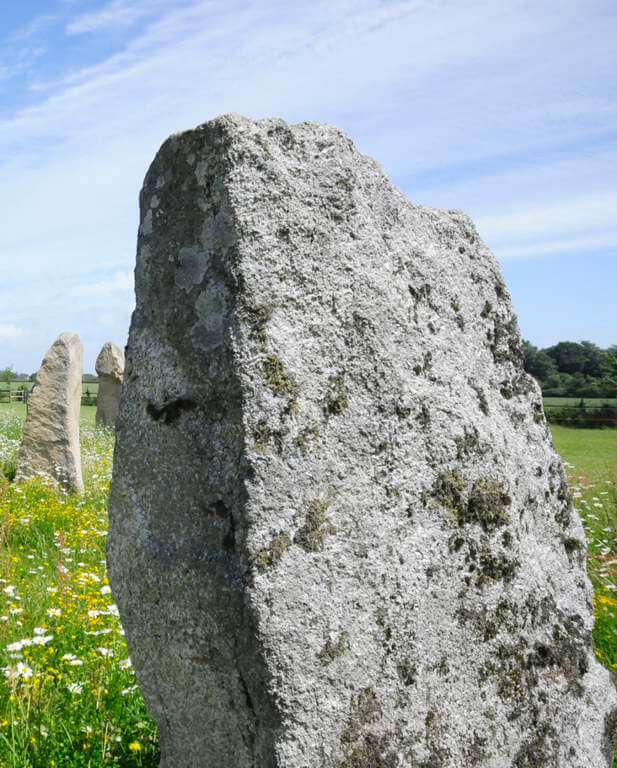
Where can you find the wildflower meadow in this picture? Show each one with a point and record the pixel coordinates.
(68, 696)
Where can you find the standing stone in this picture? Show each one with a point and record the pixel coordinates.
(110, 370)
(340, 535)
(50, 443)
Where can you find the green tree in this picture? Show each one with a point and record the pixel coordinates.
(578, 357)
(538, 363)
(6, 374)
(610, 371)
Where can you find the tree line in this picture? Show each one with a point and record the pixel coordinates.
(9, 374)
(573, 369)
(567, 369)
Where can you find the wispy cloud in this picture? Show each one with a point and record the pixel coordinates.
(113, 15)
(120, 282)
(507, 110)
(11, 334)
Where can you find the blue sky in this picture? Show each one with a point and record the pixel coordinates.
(506, 109)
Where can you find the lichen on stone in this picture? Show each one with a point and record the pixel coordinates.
(365, 709)
(487, 505)
(448, 491)
(258, 318)
(274, 552)
(264, 435)
(278, 379)
(337, 400)
(332, 649)
(306, 438)
(317, 526)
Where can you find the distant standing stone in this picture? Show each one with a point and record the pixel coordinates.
(110, 370)
(340, 536)
(50, 443)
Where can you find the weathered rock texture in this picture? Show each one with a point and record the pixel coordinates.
(110, 370)
(340, 536)
(50, 443)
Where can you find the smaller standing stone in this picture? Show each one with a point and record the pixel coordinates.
(110, 370)
(50, 443)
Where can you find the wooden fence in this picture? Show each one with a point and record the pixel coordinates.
(18, 391)
(583, 414)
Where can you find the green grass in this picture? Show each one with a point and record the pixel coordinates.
(68, 697)
(590, 456)
(88, 412)
(591, 452)
(93, 386)
(589, 401)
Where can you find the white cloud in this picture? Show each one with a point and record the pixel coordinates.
(502, 109)
(585, 243)
(120, 282)
(11, 333)
(115, 14)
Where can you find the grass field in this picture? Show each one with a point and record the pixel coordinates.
(591, 462)
(70, 698)
(88, 412)
(589, 401)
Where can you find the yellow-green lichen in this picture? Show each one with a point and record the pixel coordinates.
(317, 526)
(274, 552)
(487, 505)
(277, 378)
(448, 490)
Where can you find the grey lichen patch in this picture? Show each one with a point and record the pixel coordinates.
(424, 416)
(435, 739)
(337, 400)
(264, 436)
(482, 401)
(211, 310)
(460, 320)
(407, 671)
(468, 444)
(274, 552)
(365, 710)
(307, 438)
(425, 366)
(487, 505)
(574, 547)
(566, 651)
(372, 751)
(193, 262)
(361, 746)
(540, 751)
(609, 737)
(334, 648)
(317, 526)
(495, 567)
(476, 749)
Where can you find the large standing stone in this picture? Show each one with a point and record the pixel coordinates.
(110, 370)
(340, 535)
(50, 443)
